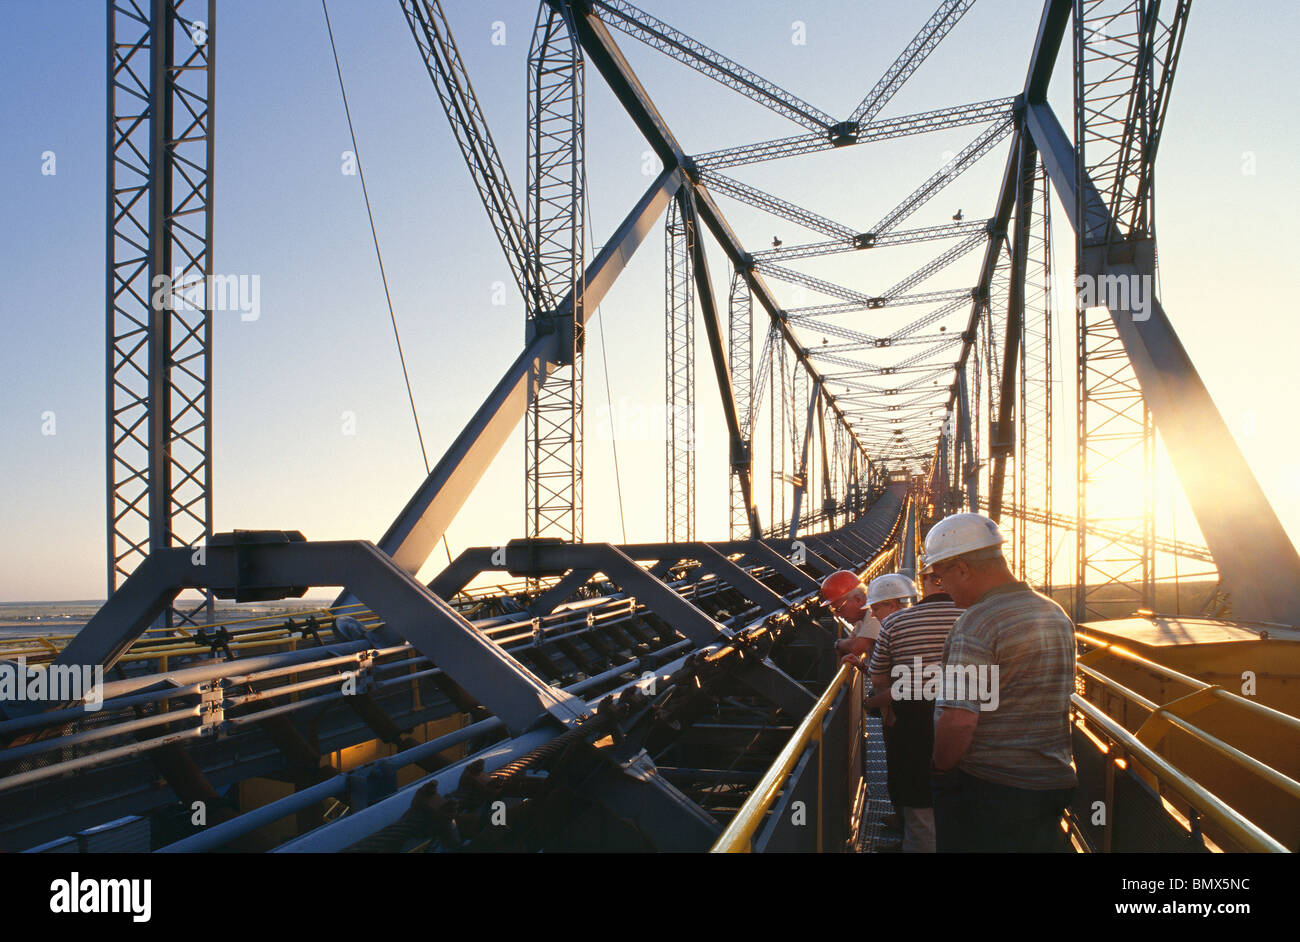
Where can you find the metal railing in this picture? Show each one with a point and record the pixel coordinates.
(815, 767)
(771, 820)
(1248, 835)
(1140, 746)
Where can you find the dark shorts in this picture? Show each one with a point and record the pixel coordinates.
(972, 815)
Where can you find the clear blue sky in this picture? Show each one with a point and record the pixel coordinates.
(323, 346)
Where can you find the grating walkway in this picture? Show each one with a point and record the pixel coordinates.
(872, 837)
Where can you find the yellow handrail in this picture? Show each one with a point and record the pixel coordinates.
(1242, 760)
(738, 837)
(1241, 829)
(739, 834)
(1168, 673)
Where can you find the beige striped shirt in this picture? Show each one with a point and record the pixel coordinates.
(1021, 645)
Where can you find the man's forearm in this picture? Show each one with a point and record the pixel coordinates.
(859, 646)
(878, 700)
(882, 696)
(953, 733)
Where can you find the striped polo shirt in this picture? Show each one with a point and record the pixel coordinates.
(1014, 650)
(916, 632)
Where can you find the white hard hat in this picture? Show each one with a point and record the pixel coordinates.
(893, 585)
(958, 534)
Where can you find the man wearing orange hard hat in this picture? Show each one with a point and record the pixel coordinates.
(863, 607)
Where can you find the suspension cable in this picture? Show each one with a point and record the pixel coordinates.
(604, 359)
(379, 255)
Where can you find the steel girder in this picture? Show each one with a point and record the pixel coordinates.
(802, 487)
(659, 35)
(541, 558)
(160, 284)
(1000, 435)
(799, 314)
(1115, 437)
(774, 205)
(679, 381)
(944, 175)
(473, 136)
(867, 241)
(931, 34)
(1034, 550)
(275, 565)
(739, 444)
(882, 129)
(740, 354)
(936, 264)
(557, 185)
(826, 132)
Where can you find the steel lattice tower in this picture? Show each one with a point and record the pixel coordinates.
(1124, 58)
(555, 270)
(797, 399)
(679, 381)
(993, 327)
(1034, 464)
(160, 93)
(740, 350)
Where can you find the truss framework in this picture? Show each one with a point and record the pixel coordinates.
(679, 382)
(556, 212)
(1115, 435)
(740, 326)
(1126, 55)
(1034, 548)
(160, 92)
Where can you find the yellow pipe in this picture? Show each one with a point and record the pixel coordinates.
(1163, 717)
(1291, 722)
(1243, 831)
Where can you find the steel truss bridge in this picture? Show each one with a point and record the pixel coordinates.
(679, 695)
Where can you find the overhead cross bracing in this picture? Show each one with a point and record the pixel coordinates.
(907, 290)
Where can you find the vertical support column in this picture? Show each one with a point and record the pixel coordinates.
(740, 351)
(555, 215)
(941, 475)
(989, 441)
(967, 465)
(1115, 434)
(800, 423)
(679, 379)
(1034, 469)
(1005, 415)
(801, 485)
(159, 280)
(780, 397)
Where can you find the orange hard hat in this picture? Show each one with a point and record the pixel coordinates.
(837, 585)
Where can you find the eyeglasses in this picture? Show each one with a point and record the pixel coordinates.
(937, 574)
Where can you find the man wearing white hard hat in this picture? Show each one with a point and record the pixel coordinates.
(1003, 765)
(911, 644)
